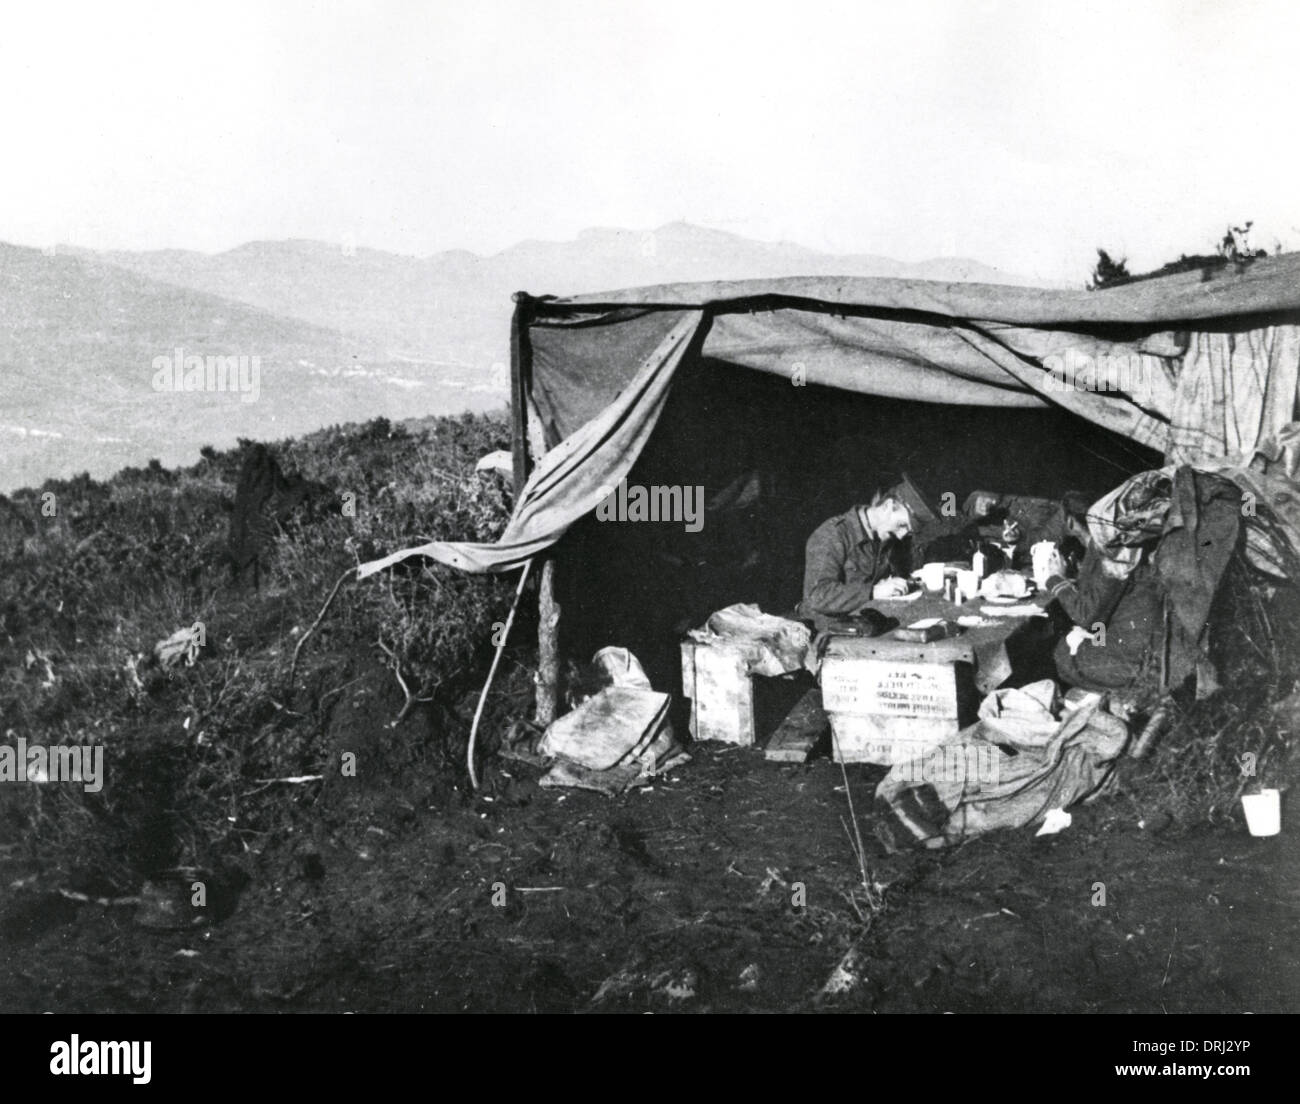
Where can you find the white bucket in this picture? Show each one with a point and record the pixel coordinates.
(1263, 812)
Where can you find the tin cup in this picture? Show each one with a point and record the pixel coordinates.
(932, 576)
(1040, 555)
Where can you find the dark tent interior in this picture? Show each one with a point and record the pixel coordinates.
(774, 461)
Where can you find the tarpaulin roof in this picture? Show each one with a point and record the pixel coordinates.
(1269, 284)
(1201, 366)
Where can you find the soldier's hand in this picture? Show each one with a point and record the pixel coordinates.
(892, 587)
(1075, 637)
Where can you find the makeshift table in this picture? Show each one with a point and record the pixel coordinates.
(889, 699)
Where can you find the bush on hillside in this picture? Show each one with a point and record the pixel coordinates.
(86, 591)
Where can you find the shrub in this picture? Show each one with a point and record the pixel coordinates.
(86, 594)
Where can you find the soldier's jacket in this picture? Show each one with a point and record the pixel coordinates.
(842, 562)
(1132, 611)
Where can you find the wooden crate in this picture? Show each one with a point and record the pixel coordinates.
(715, 678)
(867, 738)
(885, 711)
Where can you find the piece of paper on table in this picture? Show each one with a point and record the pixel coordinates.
(1024, 609)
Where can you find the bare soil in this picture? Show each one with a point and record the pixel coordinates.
(729, 885)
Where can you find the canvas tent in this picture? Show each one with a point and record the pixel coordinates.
(784, 399)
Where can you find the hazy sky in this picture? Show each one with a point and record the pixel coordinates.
(1021, 134)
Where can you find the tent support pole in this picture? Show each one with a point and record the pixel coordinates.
(548, 610)
(548, 646)
(521, 382)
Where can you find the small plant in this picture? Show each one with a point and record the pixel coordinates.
(1108, 272)
(1235, 244)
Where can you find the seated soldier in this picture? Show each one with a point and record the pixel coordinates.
(855, 557)
(1116, 621)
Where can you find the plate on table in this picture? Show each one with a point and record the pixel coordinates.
(1025, 587)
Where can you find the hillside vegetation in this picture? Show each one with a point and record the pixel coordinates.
(94, 574)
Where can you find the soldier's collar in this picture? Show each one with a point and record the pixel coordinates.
(868, 537)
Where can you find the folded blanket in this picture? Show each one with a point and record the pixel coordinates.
(774, 645)
(997, 775)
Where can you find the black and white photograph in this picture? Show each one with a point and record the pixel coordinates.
(651, 507)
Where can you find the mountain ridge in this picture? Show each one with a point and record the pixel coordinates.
(343, 332)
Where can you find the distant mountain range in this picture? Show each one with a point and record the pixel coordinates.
(340, 334)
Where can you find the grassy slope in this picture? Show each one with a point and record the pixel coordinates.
(86, 592)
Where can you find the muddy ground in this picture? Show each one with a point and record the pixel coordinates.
(411, 895)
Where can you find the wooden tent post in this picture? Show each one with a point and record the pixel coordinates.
(548, 610)
(548, 646)
(521, 382)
